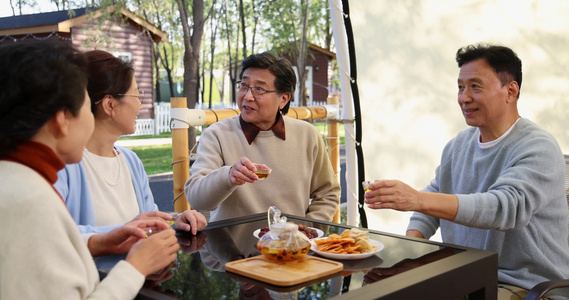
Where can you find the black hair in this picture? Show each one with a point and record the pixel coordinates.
(37, 80)
(108, 75)
(502, 59)
(285, 79)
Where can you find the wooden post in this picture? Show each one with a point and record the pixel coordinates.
(181, 159)
(334, 149)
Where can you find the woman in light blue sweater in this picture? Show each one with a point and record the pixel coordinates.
(72, 185)
(109, 187)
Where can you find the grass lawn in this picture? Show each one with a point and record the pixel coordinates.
(139, 137)
(323, 128)
(156, 158)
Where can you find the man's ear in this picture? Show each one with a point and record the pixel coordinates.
(285, 98)
(513, 91)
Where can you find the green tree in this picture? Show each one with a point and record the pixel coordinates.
(213, 36)
(192, 38)
(229, 27)
(164, 15)
(244, 26)
(292, 24)
(18, 5)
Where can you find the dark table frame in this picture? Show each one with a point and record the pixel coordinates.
(472, 272)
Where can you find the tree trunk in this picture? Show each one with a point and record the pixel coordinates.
(192, 42)
(255, 22)
(242, 16)
(212, 55)
(166, 65)
(234, 72)
(329, 32)
(168, 68)
(221, 87)
(156, 58)
(12, 7)
(233, 59)
(301, 59)
(202, 79)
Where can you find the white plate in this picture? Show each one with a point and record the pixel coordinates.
(314, 248)
(320, 232)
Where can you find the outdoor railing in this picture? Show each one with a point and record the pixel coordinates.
(161, 121)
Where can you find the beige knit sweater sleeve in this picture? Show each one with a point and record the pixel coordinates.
(42, 253)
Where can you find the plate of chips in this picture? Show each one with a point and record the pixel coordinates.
(351, 244)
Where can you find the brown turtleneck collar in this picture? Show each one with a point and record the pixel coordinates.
(38, 157)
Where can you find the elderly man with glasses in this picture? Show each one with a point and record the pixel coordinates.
(302, 181)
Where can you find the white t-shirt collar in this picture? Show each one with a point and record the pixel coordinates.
(493, 143)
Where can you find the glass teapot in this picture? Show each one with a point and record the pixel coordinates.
(283, 241)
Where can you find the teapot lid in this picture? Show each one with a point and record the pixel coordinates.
(284, 226)
(274, 216)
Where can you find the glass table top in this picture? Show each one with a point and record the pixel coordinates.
(199, 270)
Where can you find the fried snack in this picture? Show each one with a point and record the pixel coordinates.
(352, 241)
(362, 240)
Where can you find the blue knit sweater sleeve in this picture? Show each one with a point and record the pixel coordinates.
(73, 187)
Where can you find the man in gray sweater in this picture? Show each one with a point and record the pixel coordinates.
(500, 183)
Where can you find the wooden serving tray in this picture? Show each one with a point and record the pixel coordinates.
(287, 273)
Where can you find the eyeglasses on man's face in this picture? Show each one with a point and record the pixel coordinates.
(255, 90)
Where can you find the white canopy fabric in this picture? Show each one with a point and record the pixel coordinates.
(338, 17)
(407, 80)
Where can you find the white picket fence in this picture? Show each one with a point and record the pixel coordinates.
(156, 126)
(161, 121)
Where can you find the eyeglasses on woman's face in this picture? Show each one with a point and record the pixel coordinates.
(140, 95)
(242, 88)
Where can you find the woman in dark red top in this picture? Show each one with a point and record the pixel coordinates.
(45, 122)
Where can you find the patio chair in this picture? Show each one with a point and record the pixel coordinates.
(541, 289)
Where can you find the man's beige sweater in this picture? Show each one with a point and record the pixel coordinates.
(301, 170)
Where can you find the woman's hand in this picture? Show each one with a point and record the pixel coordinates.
(153, 215)
(191, 220)
(121, 239)
(191, 244)
(160, 276)
(154, 253)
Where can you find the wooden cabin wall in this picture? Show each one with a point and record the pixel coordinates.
(128, 38)
(320, 77)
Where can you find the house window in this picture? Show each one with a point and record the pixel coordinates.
(124, 56)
